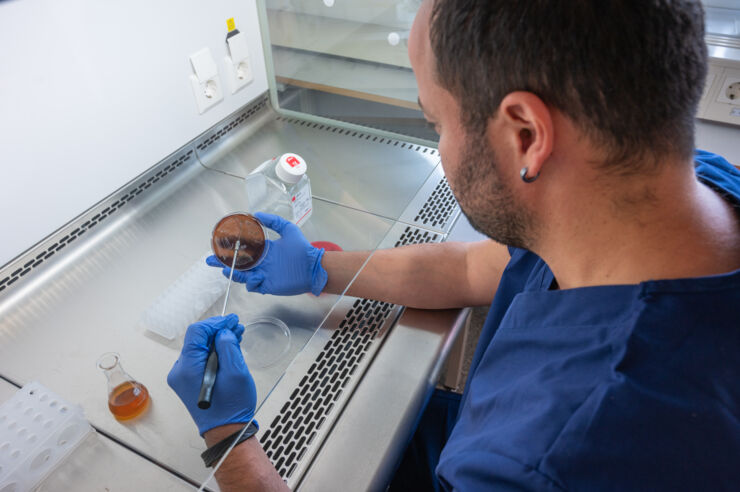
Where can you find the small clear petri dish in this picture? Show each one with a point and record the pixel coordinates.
(266, 341)
(250, 233)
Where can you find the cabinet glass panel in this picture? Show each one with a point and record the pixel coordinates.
(347, 61)
(723, 18)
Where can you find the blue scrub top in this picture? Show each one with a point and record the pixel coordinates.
(628, 387)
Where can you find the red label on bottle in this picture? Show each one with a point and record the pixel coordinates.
(292, 161)
(293, 199)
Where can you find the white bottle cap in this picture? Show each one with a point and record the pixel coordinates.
(291, 168)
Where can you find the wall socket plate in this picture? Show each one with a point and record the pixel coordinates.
(713, 71)
(723, 80)
(238, 75)
(207, 94)
(205, 81)
(729, 89)
(236, 64)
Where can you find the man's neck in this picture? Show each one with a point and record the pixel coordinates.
(666, 226)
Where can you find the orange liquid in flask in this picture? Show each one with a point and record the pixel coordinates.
(128, 400)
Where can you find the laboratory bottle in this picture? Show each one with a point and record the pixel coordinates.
(127, 398)
(281, 186)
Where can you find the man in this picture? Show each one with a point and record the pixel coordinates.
(566, 133)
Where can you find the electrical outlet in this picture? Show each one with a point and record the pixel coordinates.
(729, 92)
(733, 91)
(239, 72)
(205, 80)
(723, 103)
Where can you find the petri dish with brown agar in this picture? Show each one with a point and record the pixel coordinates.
(251, 235)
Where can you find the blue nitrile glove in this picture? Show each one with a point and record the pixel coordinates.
(292, 266)
(234, 394)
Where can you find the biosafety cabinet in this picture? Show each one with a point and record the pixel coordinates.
(127, 133)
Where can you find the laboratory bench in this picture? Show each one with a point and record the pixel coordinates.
(337, 409)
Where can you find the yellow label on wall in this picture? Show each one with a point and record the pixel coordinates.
(230, 24)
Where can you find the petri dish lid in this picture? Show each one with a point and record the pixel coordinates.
(250, 233)
(265, 341)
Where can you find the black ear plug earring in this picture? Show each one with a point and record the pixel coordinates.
(523, 174)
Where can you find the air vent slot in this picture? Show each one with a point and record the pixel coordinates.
(361, 135)
(414, 235)
(438, 208)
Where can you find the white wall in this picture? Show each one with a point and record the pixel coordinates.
(94, 92)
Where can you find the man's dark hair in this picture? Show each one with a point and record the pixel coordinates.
(629, 73)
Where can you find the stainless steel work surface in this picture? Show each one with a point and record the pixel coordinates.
(83, 290)
(102, 464)
(57, 321)
(359, 170)
(367, 441)
(7, 390)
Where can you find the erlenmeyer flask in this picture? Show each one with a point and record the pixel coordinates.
(127, 398)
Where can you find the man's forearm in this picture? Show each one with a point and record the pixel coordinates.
(430, 276)
(247, 467)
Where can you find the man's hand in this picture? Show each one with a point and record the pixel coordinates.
(292, 266)
(234, 394)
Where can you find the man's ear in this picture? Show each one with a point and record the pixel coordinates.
(525, 126)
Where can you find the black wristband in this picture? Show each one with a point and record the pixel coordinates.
(214, 453)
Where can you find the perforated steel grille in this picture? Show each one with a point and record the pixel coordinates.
(91, 222)
(438, 208)
(316, 398)
(361, 135)
(414, 235)
(305, 413)
(228, 127)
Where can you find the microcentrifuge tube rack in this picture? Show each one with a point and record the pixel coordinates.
(38, 430)
(185, 300)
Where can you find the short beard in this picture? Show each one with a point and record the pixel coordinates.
(490, 207)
